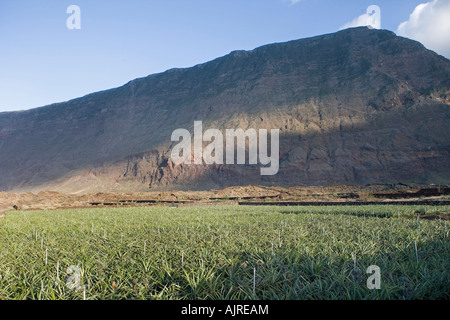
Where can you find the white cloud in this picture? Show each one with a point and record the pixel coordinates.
(372, 17)
(430, 24)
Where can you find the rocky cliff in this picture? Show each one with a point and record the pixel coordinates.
(357, 106)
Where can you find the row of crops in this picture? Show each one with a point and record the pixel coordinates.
(225, 252)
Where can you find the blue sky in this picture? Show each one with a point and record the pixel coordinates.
(42, 61)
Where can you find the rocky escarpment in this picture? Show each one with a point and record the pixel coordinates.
(357, 106)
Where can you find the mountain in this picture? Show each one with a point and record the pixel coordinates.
(357, 106)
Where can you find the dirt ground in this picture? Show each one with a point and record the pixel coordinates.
(444, 216)
(345, 194)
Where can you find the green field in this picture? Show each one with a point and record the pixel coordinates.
(224, 252)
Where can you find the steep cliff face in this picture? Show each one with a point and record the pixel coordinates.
(357, 106)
